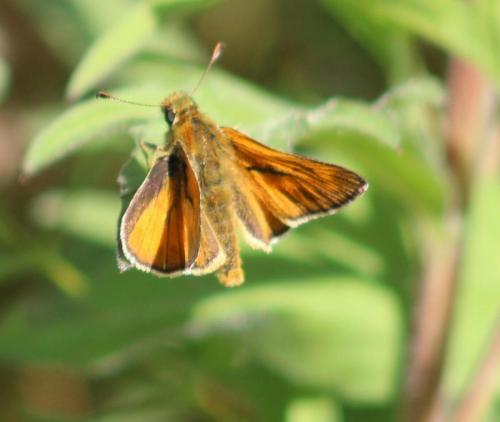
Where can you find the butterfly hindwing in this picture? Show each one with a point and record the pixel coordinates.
(210, 255)
(261, 226)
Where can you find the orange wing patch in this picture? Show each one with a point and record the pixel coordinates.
(291, 188)
(259, 223)
(160, 230)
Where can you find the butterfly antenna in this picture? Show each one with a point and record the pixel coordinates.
(108, 96)
(215, 56)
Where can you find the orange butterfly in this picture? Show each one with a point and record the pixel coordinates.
(205, 180)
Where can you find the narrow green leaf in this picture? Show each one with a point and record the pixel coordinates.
(14, 265)
(162, 7)
(130, 33)
(81, 22)
(4, 78)
(88, 214)
(64, 275)
(478, 301)
(470, 30)
(357, 117)
(115, 46)
(313, 409)
(84, 123)
(140, 414)
(402, 173)
(416, 91)
(391, 47)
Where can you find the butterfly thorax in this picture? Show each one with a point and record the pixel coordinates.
(208, 154)
(211, 157)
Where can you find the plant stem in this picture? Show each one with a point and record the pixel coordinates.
(467, 114)
(469, 108)
(431, 322)
(482, 388)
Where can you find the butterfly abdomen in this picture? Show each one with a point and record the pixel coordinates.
(214, 178)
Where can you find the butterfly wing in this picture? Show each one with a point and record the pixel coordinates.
(210, 255)
(261, 226)
(290, 189)
(161, 229)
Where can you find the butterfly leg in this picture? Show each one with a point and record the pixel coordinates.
(148, 149)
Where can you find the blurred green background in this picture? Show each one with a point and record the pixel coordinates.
(324, 328)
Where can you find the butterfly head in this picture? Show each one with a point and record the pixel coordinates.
(176, 104)
(179, 103)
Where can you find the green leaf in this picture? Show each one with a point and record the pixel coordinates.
(95, 16)
(63, 274)
(143, 413)
(355, 117)
(120, 316)
(119, 43)
(478, 300)
(390, 46)
(81, 22)
(162, 7)
(315, 409)
(470, 30)
(337, 333)
(419, 184)
(402, 173)
(415, 91)
(86, 122)
(123, 40)
(268, 118)
(4, 79)
(14, 265)
(88, 214)
(251, 109)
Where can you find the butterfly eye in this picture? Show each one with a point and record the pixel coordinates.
(169, 115)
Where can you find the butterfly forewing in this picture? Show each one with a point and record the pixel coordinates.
(161, 228)
(292, 188)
